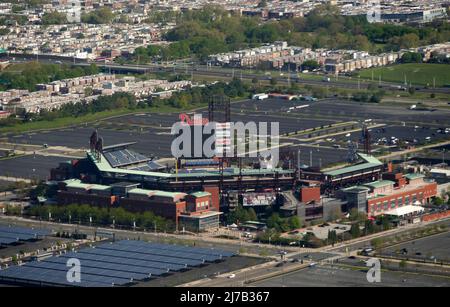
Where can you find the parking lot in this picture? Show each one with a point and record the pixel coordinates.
(433, 248)
(338, 276)
(152, 131)
(30, 166)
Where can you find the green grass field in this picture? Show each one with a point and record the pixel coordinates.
(416, 74)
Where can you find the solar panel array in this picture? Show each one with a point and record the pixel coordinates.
(119, 264)
(13, 234)
(124, 157)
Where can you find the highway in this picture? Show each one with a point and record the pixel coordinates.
(203, 70)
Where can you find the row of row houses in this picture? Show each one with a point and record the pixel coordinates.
(58, 93)
(335, 66)
(251, 57)
(78, 40)
(67, 85)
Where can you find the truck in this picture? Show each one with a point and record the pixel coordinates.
(260, 96)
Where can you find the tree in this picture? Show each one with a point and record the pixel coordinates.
(355, 231)
(310, 65)
(438, 201)
(240, 215)
(283, 224)
(54, 18)
(385, 223)
(332, 237)
(294, 222)
(377, 97)
(355, 215)
(369, 227)
(252, 215)
(274, 221)
(123, 19)
(4, 31)
(411, 57)
(99, 16)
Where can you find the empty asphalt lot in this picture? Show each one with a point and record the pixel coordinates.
(30, 167)
(338, 276)
(433, 247)
(151, 132)
(349, 110)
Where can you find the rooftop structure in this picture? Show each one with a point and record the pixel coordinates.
(381, 197)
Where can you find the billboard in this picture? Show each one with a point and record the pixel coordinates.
(258, 199)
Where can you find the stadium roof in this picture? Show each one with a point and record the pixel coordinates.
(103, 166)
(369, 162)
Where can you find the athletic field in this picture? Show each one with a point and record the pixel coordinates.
(415, 74)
